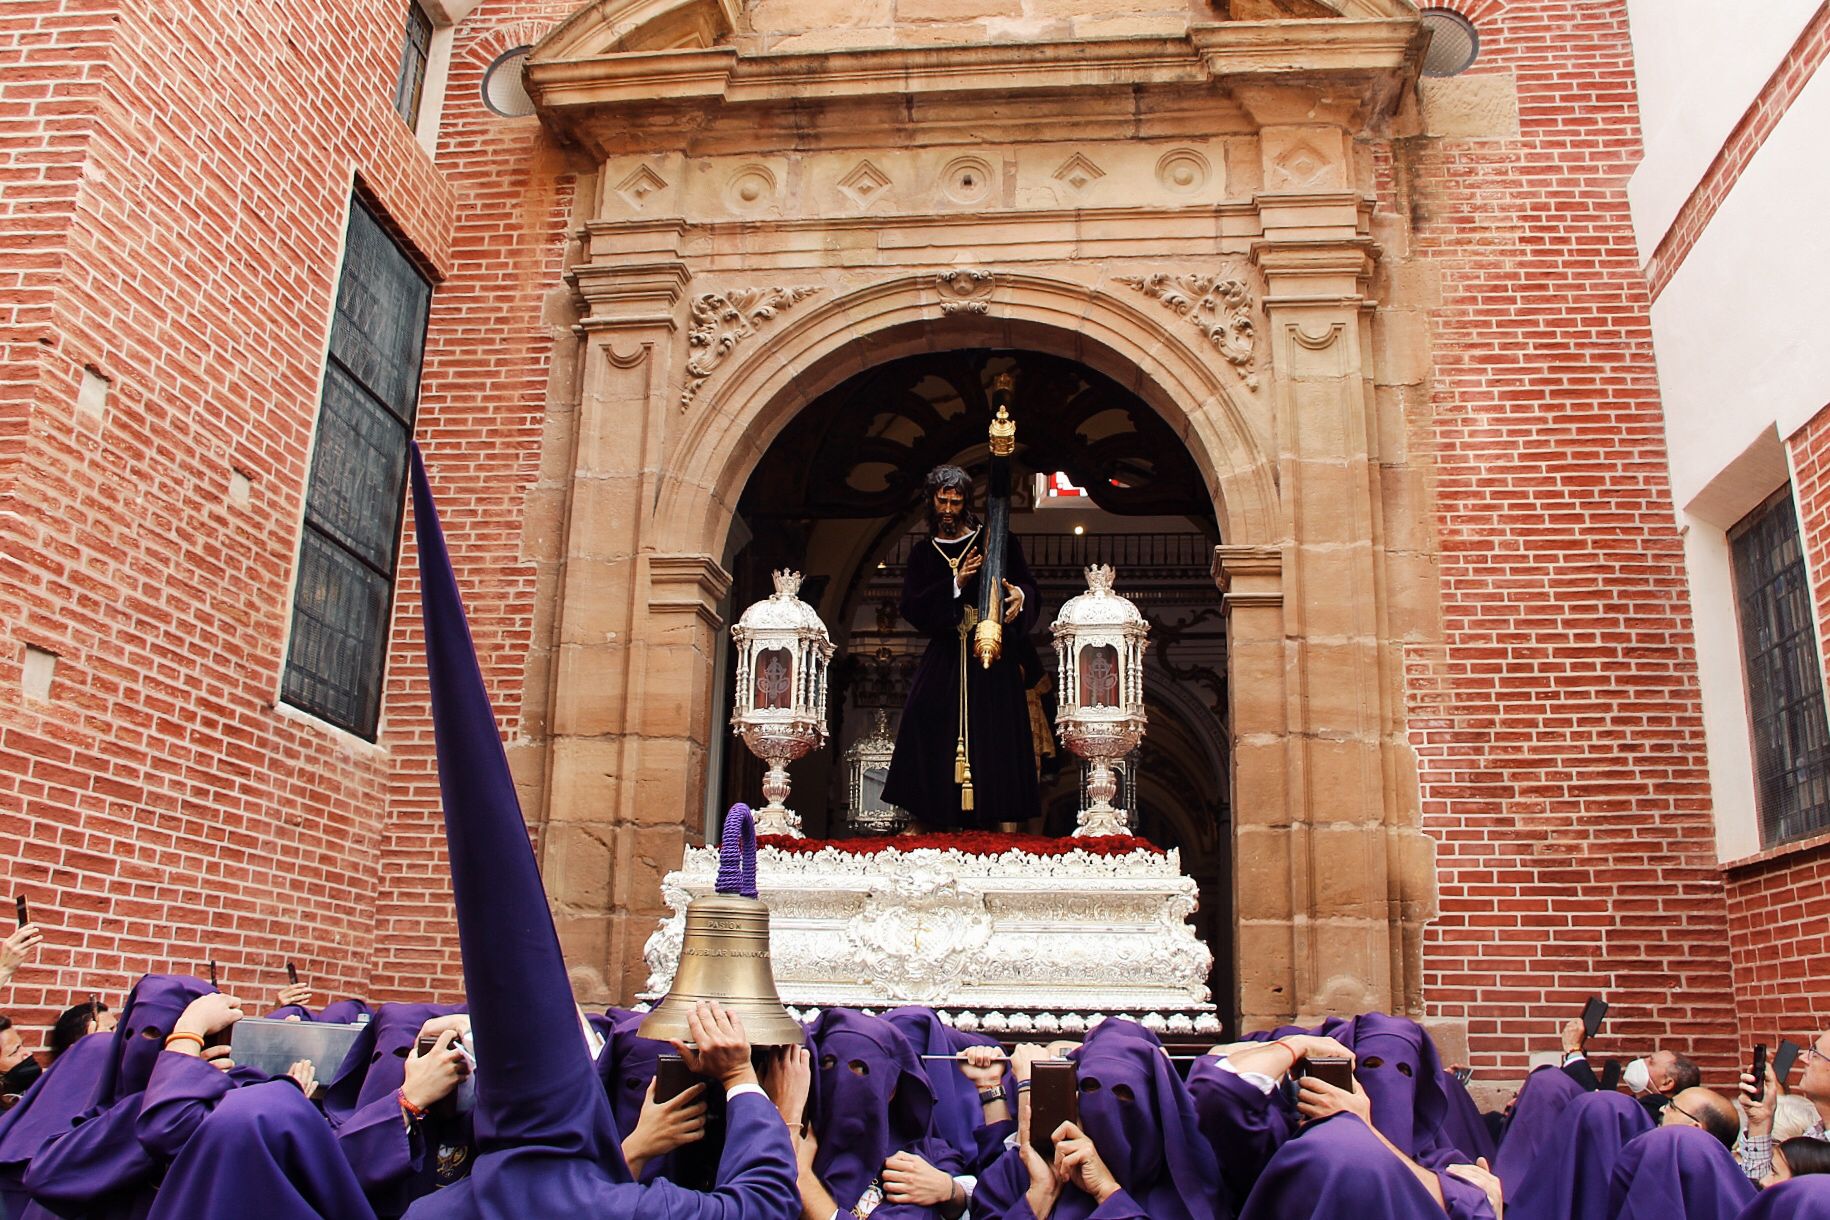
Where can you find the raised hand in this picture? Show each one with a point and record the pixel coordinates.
(432, 1077)
(787, 1079)
(909, 1179)
(721, 1048)
(665, 1126)
(1078, 1161)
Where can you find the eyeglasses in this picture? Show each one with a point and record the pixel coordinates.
(1811, 1053)
(1686, 1113)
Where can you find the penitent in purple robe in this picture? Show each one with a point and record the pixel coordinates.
(872, 1099)
(1463, 1124)
(1243, 1125)
(262, 1151)
(1570, 1178)
(959, 1116)
(395, 1162)
(998, 737)
(46, 1110)
(1800, 1198)
(547, 1143)
(1677, 1173)
(98, 1169)
(1338, 1170)
(1151, 1143)
(1536, 1115)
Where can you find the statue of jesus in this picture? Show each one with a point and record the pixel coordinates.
(964, 763)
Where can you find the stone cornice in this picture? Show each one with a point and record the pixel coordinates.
(687, 584)
(1380, 55)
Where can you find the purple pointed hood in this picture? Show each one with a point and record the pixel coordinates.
(537, 1093)
(46, 1109)
(1536, 1116)
(1337, 1169)
(152, 1008)
(1571, 1178)
(1463, 1127)
(376, 1062)
(1136, 1110)
(1677, 1173)
(1801, 1198)
(957, 1112)
(873, 1099)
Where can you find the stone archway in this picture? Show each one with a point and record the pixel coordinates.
(1323, 862)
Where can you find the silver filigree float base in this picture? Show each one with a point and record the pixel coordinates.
(1014, 942)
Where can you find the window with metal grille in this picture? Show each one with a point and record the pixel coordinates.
(1785, 687)
(354, 499)
(415, 52)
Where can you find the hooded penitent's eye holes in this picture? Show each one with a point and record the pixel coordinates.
(402, 1051)
(859, 1067)
(1089, 1085)
(1372, 1061)
(375, 1055)
(1123, 1093)
(1404, 1069)
(151, 1031)
(828, 1062)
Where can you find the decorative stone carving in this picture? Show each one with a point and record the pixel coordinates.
(1059, 939)
(1079, 172)
(722, 320)
(864, 183)
(966, 290)
(1183, 170)
(639, 185)
(967, 180)
(750, 189)
(1302, 168)
(1220, 307)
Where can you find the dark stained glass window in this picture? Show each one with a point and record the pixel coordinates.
(415, 52)
(354, 499)
(1785, 685)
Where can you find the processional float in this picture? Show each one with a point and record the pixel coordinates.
(1017, 941)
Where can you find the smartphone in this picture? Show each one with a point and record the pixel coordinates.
(1759, 1071)
(292, 974)
(213, 981)
(1054, 1098)
(1592, 1014)
(1783, 1059)
(1610, 1075)
(19, 909)
(671, 1078)
(1464, 1075)
(1337, 1072)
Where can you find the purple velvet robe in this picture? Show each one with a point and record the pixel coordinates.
(862, 1118)
(394, 1162)
(262, 1151)
(1677, 1173)
(998, 739)
(1463, 1125)
(1151, 1143)
(99, 1169)
(1243, 1126)
(1536, 1115)
(958, 1113)
(1338, 1170)
(1570, 1178)
(547, 1142)
(1800, 1198)
(47, 1110)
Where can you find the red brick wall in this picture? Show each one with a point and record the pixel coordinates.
(1780, 944)
(1558, 732)
(183, 239)
(482, 411)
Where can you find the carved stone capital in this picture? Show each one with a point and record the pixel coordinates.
(1249, 575)
(1219, 306)
(966, 289)
(687, 584)
(629, 296)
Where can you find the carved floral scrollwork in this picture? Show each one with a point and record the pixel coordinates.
(966, 290)
(722, 320)
(1220, 307)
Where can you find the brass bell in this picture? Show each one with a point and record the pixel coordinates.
(724, 956)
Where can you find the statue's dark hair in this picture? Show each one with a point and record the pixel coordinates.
(947, 475)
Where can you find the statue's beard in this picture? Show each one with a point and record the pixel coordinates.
(952, 527)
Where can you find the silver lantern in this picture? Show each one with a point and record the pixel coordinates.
(780, 712)
(867, 766)
(1099, 641)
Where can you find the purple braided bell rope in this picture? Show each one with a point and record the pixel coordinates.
(737, 853)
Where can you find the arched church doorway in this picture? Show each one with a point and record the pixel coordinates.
(1102, 478)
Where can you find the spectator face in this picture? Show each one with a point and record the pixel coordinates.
(1659, 1066)
(12, 1050)
(1815, 1083)
(1684, 1110)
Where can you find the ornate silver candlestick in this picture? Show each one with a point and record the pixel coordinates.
(782, 651)
(1099, 641)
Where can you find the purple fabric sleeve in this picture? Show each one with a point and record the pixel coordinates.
(380, 1149)
(98, 1169)
(182, 1092)
(1244, 1126)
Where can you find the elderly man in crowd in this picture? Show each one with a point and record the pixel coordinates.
(1655, 1079)
(1813, 1086)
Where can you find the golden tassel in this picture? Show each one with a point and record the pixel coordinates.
(965, 796)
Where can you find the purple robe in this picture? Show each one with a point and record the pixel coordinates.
(958, 1113)
(998, 738)
(1536, 1114)
(263, 1151)
(1338, 1170)
(99, 1169)
(395, 1163)
(1802, 1198)
(547, 1142)
(863, 1117)
(337, 1012)
(1244, 1127)
(47, 1110)
(1150, 1142)
(1463, 1124)
(1570, 1178)
(1396, 1063)
(1677, 1173)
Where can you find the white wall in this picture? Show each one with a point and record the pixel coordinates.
(1700, 64)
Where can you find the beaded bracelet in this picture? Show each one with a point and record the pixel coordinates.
(412, 1110)
(184, 1036)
